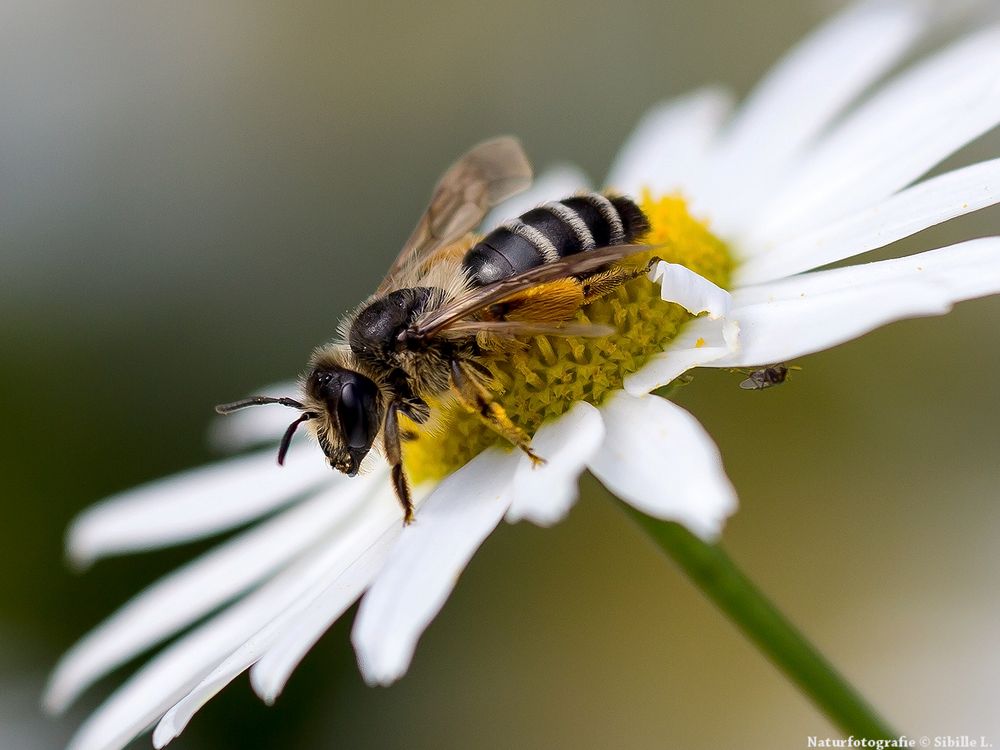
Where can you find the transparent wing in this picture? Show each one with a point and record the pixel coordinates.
(488, 174)
(468, 304)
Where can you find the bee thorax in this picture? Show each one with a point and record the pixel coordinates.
(375, 330)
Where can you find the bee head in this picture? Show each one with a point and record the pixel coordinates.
(344, 407)
(348, 409)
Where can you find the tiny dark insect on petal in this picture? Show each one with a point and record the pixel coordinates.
(765, 377)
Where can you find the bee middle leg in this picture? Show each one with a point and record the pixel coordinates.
(480, 401)
(605, 282)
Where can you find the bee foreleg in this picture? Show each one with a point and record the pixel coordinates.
(394, 455)
(416, 409)
(480, 402)
(406, 401)
(605, 282)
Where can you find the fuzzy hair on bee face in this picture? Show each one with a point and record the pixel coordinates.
(348, 407)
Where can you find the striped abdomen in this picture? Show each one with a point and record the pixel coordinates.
(553, 231)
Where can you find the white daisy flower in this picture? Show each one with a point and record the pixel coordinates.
(816, 167)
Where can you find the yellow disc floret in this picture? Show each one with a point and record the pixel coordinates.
(544, 378)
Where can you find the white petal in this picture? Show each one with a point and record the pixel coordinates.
(544, 494)
(182, 597)
(270, 674)
(669, 144)
(554, 184)
(693, 292)
(920, 118)
(195, 503)
(797, 99)
(928, 203)
(424, 566)
(786, 319)
(362, 552)
(166, 678)
(260, 424)
(700, 342)
(659, 459)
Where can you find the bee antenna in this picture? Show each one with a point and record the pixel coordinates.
(256, 401)
(286, 439)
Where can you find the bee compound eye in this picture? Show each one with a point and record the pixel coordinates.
(352, 416)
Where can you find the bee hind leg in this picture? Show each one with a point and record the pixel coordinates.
(478, 400)
(394, 455)
(605, 282)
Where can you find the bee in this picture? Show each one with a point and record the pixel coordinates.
(449, 299)
(766, 377)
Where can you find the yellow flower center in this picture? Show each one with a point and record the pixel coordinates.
(545, 378)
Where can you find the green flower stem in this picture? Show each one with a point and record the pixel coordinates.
(720, 580)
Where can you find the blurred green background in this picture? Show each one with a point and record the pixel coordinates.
(192, 193)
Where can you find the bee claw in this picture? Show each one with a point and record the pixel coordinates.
(536, 460)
